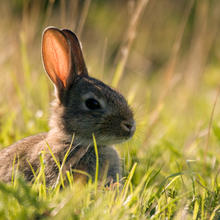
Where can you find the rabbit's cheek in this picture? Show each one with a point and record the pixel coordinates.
(116, 128)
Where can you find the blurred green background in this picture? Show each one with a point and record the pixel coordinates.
(163, 55)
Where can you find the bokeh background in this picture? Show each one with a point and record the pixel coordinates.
(163, 55)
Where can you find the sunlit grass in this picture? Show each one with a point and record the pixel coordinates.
(171, 166)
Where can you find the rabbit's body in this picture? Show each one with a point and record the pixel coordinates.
(19, 152)
(84, 106)
(27, 151)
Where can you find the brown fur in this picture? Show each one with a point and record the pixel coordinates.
(84, 106)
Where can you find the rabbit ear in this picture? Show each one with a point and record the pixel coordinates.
(56, 54)
(79, 66)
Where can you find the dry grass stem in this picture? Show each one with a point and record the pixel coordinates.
(169, 72)
(63, 12)
(205, 31)
(128, 40)
(73, 13)
(83, 17)
(49, 11)
(210, 124)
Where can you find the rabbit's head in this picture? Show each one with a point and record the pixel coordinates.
(85, 105)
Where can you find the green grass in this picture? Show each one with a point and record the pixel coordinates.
(171, 166)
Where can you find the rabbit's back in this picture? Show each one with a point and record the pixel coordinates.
(18, 152)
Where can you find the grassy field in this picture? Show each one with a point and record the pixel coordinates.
(164, 56)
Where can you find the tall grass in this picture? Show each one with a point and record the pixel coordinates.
(170, 76)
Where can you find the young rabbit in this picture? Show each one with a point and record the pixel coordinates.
(84, 106)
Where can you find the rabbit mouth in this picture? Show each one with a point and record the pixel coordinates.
(124, 133)
(101, 140)
(107, 140)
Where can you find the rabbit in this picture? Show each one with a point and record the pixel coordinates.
(83, 106)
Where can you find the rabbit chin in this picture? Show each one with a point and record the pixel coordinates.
(104, 140)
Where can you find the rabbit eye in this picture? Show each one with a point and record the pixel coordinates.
(92, 104)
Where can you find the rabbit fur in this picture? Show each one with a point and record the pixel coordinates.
(83, 106)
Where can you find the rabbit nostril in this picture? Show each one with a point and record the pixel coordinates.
(128, 126)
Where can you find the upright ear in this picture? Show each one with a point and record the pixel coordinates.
(62, 57)
(56, 56)
(79, 65)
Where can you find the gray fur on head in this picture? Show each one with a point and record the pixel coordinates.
(71, 114)
(83, 106)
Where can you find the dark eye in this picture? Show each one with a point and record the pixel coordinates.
(92, 104)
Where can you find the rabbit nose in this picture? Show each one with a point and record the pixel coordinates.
(128, 126)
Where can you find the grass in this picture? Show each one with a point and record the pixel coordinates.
(170, 77)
